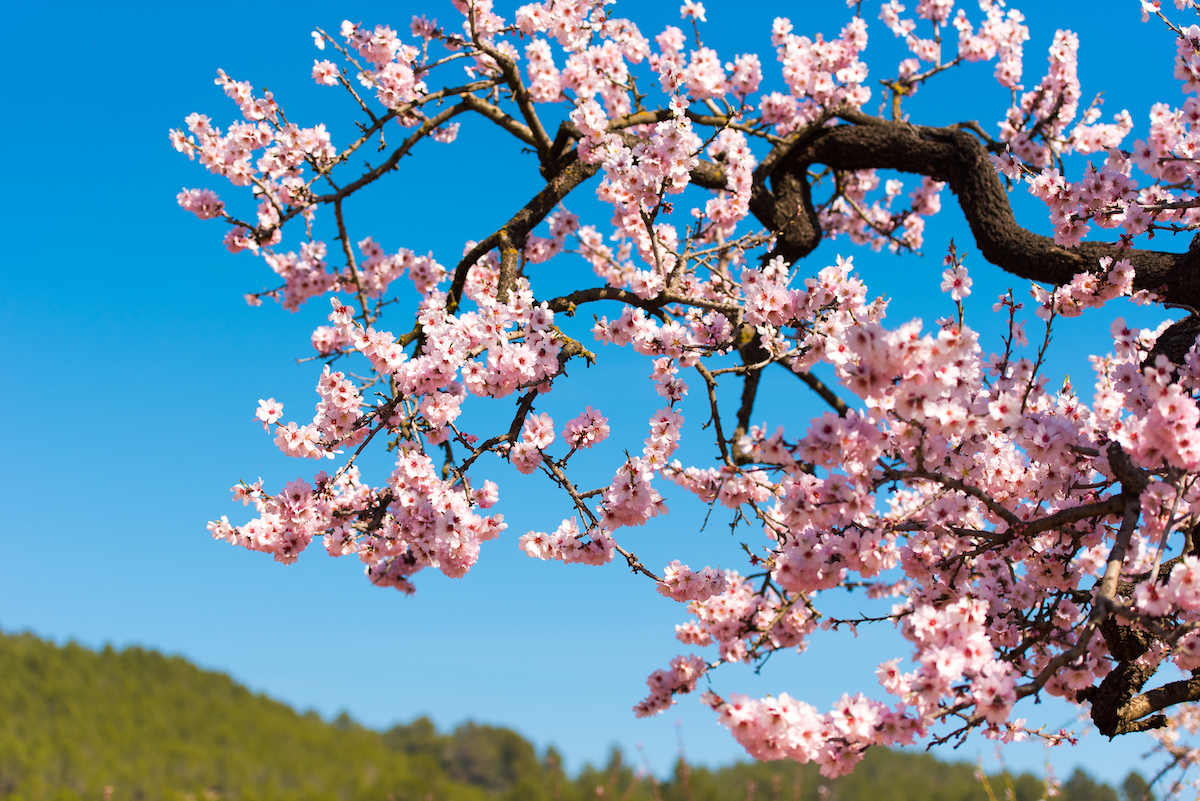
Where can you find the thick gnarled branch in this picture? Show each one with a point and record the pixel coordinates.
(957, 157)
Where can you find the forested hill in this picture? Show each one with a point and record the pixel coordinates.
(133, 724)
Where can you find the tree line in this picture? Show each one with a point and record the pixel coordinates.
(135, 724)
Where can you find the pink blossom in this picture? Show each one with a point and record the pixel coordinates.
(268, 412)
(204, 203)
(956, 281)
(325, 73)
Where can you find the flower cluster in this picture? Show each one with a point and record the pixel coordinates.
(566, 545)
(681, 583)
(586, 430)
(685, 672)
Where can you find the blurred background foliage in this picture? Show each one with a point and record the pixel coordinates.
(134, 724)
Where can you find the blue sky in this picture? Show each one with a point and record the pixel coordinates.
(135, 366)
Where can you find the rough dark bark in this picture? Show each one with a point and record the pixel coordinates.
(1118, 704)
(957, 157)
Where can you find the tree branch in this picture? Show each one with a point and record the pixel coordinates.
(572, 174)
(961, 160)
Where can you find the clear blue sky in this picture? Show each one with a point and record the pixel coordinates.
(134, 368)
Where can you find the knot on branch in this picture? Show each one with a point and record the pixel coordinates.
(1110, 700)
(1117, 707)
(571, 348)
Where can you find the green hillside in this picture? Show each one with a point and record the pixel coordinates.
(133, 724)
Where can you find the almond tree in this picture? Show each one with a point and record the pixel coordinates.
(1034, 542)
